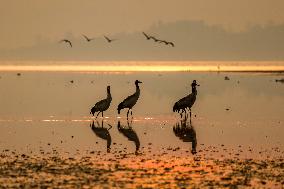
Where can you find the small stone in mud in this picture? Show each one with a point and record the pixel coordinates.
(72, 136)
(227, 78)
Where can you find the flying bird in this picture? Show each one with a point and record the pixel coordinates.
(102, 105)
(167, 42)
(172, 44)
(155, 39)
(186, 102)
(66, 41)
(147, 36)
(109, 40)
(163, 41)
(87, 38)
(130, 101)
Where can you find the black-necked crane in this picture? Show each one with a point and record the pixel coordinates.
(109, 40)
(87, 38)
(102, 105)
(129, 133)
(130, 101)
(66, 41)
(102, 132)
(186, 102)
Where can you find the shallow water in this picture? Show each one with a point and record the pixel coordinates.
(233, 139)
(41, 108)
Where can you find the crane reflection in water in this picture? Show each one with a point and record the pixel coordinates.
(129, 133)
(102, 132)
(185, 131)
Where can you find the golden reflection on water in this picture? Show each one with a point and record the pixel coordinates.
(143, 66)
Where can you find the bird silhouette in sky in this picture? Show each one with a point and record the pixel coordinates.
(66, 41)
(147, 36)
(109, 40)
(87, 38)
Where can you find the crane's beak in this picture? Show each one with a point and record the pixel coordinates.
(139, 81)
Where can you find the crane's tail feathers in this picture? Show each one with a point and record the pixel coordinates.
(175, 108)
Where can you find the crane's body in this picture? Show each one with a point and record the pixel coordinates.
(102, 105)
(186, 102)
(131, 100)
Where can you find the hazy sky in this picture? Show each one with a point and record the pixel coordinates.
(25, 21)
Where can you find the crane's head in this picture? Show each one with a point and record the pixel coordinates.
(194, 83)
(137, 82)
(108, 89)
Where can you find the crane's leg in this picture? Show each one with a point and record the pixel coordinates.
(127, 114)
(190, 113)
(92, 124)
(131, 115)
(103, 114)
(98, 114)
(181, 114)
(185, 115)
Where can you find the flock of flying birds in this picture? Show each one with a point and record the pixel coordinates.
(109, 40)
(148, 37)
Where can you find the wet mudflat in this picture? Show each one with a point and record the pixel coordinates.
(233, 139)
(164, 170)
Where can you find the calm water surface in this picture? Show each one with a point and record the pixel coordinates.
(47, 110)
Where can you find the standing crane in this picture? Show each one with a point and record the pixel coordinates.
(130, 101)
(186, 102)
(102, 105)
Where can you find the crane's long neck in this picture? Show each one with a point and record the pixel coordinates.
(194, 91)
(108, 95)
(137, 89)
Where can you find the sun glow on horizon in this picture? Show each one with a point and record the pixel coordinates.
(144, 66)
